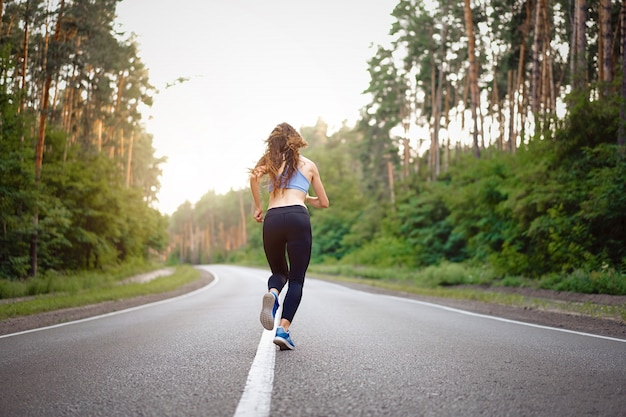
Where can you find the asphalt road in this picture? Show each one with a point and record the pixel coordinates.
(357, 354)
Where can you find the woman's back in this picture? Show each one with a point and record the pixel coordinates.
(294, 196)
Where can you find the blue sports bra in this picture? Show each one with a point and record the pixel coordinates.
(297, 181)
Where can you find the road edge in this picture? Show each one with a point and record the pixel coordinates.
(50, 318)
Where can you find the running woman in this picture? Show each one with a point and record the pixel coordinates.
(287, 234)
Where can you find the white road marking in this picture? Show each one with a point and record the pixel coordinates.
(538, 326)
(257, 395)
(469, 313)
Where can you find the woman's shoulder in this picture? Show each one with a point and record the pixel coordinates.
(304, 161)
(307, 168)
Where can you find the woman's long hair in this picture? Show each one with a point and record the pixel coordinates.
(283, 146)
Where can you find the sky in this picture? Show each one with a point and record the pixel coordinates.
(249, 65)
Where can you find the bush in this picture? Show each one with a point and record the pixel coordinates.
(450, 273)
(443, 275)
(381, 252)
(596, 282)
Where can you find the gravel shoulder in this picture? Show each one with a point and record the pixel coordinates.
(605, 327)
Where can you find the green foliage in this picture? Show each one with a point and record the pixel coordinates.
(445, 274)
(86, 218)
(90, 208)
(330, 230)
(18, 194)
(590, 123)
(567, 200)
(366, 225)
(384, 252)
(340, 170)
(423, 223)
(605, 281)
(89, 220)
(476, 191)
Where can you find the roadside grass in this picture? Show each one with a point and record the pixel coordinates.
(51, 282)
(456, 281)
(89, 288)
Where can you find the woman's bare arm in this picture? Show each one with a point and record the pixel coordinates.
(255, 188)
(321, 199)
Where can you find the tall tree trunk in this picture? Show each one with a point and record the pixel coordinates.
(446, 156)
(68, 109)
(520, 89)
(537, 46)
(581, 42)
(98, 126)
(207, 245)
(420, 141)
(434, 136)
(392, 193)
(406, 155)
(406, 115)
(548, 97)
(579, 47)
(22, 99)
(621, 136)
(549, 88)
(437, 125)
(466, 89)
(130, 159)
(496, 111)
(473, 73)
(605, 49)
(122, 147)
(439, 98)
(120, 91)
(41, 136)
(512, 100)
(541, 85)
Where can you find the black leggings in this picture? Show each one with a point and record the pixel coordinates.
(288, 229)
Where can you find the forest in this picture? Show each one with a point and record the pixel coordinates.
(77, 169)
(493, 143)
